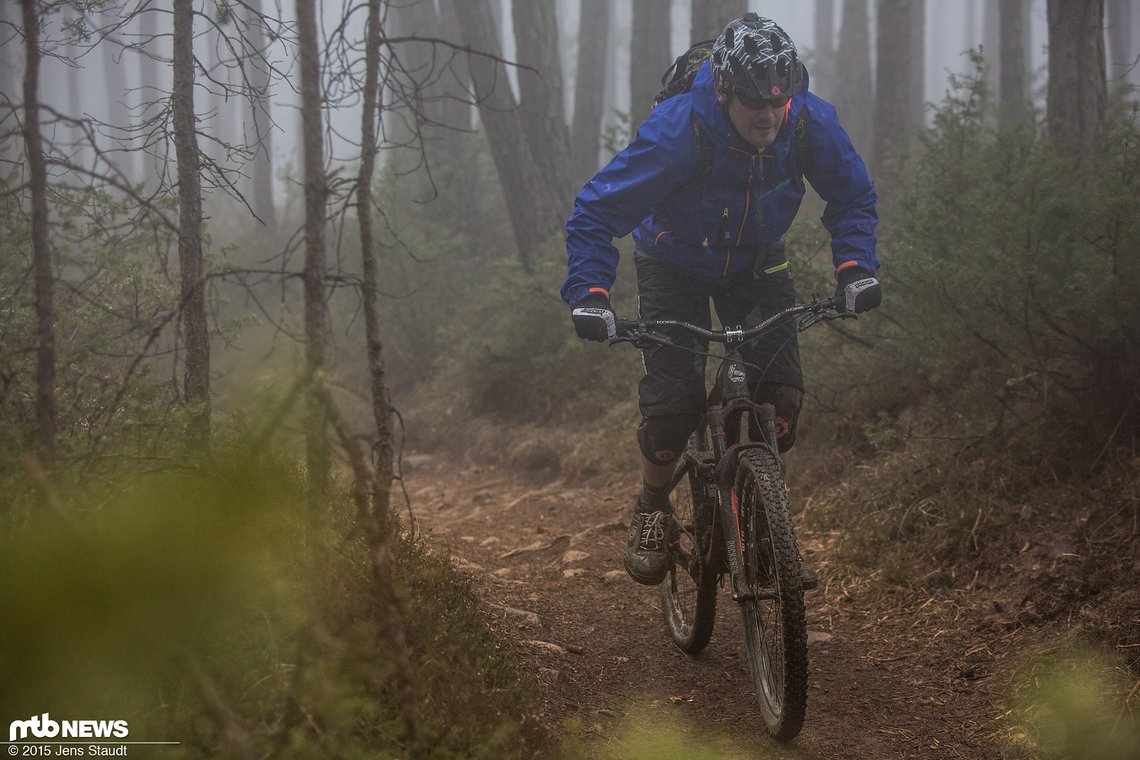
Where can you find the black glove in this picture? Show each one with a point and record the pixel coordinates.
(858, 291)
(594, 318)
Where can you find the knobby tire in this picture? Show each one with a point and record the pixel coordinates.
(775, 629)
(688, 593)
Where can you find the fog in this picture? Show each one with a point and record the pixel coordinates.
(109, 83)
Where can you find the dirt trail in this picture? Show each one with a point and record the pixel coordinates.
(892, 675)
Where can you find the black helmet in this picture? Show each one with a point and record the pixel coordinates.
(755, 58)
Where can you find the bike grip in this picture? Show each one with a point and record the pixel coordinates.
(592, 312)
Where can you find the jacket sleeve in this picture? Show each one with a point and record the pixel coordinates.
(662, 156)
(839, 175)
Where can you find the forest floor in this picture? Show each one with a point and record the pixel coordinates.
(896, 671)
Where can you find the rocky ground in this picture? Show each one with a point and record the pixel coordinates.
(895, 673)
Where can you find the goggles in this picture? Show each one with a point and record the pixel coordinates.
(755, 104)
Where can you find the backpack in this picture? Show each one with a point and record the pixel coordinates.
(678, 78)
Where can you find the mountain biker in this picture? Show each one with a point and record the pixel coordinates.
(711, 226)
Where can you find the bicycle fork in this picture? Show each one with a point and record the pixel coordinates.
(737, 402)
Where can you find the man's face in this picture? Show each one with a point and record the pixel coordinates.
(757, 120)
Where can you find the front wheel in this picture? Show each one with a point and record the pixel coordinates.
(688, 593)
(775, 628)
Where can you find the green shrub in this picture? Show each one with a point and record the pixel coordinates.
(1011, 316)
(207, 605)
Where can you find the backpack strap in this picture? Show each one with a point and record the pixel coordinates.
(705, 153)
(706, 150)
(800, 140)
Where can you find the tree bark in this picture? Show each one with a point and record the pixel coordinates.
(540, 93)
(894, 89)
(376, 528)
(710, 17)
(650, 55)
(9, 72)
(991, 45)
(853, 96)
(381, 407)
(1077, 92)
(1013, 104)
(589, 91)
(918, 63)
(1122, 59)
(41, 247)
(316, 198)
(193, 288)
(535, 209)
(823, 68)
(151, 94)
(117, 101)
(257, 114)
(74, 88)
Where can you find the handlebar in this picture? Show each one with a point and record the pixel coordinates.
(818, 309)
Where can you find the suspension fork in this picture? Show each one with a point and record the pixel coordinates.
(727, 459)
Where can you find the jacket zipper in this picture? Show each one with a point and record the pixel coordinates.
(747, 198)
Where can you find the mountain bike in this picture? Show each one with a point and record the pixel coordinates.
(731, 520)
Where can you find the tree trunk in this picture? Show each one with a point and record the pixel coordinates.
(540, 93)
(193, 288)
(918, 62)
(151, 94)
(650, 55)
(1077, 90)
(823, 67)
(377, 534)
(74, 88)
(9, 68)
(853, 96)
(1122, 59)
(381, 408)
(41, 248)
(710, 17)
(535, 209)
(589, 91)
(894, 88)
(258, 127)
(1013, 92)
(617, 68)
(117, 102)
(407, 113)
(991, 45)
(316, 198)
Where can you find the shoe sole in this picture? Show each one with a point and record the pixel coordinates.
(645, 580)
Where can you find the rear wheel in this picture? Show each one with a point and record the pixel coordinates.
(774, 622)
(688, 593)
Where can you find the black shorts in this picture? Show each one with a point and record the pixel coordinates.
(674, 381)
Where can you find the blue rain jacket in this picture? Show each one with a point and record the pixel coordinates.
(715, 225)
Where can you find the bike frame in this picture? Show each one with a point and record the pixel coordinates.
(728, 405)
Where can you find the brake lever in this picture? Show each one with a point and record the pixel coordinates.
(823, 316)
(642, 340)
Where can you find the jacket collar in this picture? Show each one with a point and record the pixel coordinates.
(714, 119)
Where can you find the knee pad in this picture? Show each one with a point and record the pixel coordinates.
(662, 438)
(787, 399)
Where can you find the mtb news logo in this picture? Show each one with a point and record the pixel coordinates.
(43, 727)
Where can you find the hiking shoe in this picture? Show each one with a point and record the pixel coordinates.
(647, 553)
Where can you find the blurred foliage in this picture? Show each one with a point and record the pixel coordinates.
(1072, 703)
(648, 735)
(205, 605)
